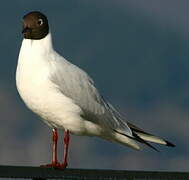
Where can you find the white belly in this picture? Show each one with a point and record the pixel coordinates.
(43, 98)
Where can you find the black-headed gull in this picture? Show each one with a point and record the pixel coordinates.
(65, 97)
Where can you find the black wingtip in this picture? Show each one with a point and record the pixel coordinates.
(170, 144)
(138, 138)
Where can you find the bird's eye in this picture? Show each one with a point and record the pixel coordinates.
(40, 22)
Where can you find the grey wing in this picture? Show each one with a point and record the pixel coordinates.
(77, 85)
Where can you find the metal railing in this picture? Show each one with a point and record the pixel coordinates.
(39, 173)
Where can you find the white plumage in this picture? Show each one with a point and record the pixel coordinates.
(64, 96)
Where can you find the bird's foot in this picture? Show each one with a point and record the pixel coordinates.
(55, 165)
(63, 165)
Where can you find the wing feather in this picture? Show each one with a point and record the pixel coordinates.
(77, 85)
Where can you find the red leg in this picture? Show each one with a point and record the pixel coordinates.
(66, 145)
(54, 150)
(55, 140)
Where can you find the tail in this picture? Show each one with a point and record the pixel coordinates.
(145, 137)
(133, 134)
(141, 136)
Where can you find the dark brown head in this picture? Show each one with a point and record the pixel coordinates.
(35, 25)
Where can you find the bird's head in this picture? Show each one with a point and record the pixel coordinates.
(35, 25)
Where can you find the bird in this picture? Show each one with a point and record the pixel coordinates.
(65, 97)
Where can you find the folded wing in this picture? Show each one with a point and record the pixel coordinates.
(77, 85)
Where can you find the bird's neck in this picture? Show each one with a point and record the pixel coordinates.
(44, 44)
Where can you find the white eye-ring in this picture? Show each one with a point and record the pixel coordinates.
(40, 21)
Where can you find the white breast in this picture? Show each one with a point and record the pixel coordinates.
(40, 94)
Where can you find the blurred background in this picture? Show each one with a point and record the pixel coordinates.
(137, 53)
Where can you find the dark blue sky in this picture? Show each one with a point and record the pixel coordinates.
(137, 53)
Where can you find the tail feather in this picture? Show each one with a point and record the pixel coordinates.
(169, 144)
(149, 137)
(137, 138)
(154, 139)
(138, 135)
(123, 139)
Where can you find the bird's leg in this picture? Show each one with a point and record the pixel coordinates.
(55, 140)
(66, 145)
(54, 163)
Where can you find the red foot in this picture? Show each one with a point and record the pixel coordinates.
(56, 166)
(52, 165)
(63, 166)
